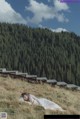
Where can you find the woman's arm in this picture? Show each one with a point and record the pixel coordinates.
(34, 99)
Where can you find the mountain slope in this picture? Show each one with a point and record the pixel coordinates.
(41, 52)
(10, 91)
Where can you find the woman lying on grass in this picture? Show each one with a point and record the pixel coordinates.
(45, 103)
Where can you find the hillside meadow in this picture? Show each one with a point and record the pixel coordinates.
(11, 89)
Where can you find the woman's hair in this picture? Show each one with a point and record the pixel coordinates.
(22, 95)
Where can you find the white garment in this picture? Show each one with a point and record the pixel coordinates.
(45, 103)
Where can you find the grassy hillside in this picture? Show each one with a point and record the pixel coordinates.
(10, 91)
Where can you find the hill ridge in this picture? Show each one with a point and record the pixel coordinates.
(36, 80)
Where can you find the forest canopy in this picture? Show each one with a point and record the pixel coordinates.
(41, 52)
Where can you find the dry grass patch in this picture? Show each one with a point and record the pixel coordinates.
(10, 90)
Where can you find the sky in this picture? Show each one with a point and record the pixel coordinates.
(51, 14)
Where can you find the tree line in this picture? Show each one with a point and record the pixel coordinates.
(41, 52)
